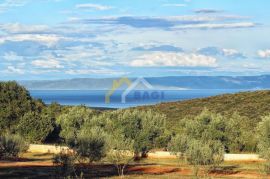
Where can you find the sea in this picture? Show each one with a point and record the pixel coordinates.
(120, 99)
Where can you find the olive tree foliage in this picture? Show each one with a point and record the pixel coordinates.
(120, 151)
(72, 120)
(65, 164)
(232, 131)
(202, 141)
(144, 128)
(90, 146)
(15, 101)
(11, 146)
(35, 127)
(179, 145)
(240, 134)
(263, 138)
(206, 126)
(206, 154)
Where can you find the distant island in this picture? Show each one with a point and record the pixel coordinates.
(170, 82)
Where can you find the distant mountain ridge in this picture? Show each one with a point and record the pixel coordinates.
(170, 82)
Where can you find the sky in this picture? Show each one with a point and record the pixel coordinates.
(63, 39)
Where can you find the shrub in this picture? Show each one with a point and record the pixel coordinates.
(90, 146)
(15, 101)
(72, 120)
(263, 137)
(11, 146)
(145, 128)
(179, 145)
(201, 141)
(120, 152)
(240, 134)
(201, 153)
(66, 162)
(35, 127)
(208, 154)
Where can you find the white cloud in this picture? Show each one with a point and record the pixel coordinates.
(232, 53)
(48, 40)
(207, 11)
(217, 26)
(21, 28)
(8, 4)
(94, 71)
(50, 63)
(174, 5)
(12, 56)
(264, 53)
(173, 60)
(93, 7)
(39, 71)
(221, 52)
(12, 69)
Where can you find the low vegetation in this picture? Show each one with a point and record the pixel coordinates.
(250, 105)
(11, 146)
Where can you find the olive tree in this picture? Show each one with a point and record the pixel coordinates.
(35, 127)
(201, 141)
(120, 152)
(145, 128)
(71, 121)
(89, 146)
(207, 154)
(15, 101)
(263, 137)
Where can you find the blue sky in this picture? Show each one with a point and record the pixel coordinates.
(56, 39)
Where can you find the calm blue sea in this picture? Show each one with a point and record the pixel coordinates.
(96, 98)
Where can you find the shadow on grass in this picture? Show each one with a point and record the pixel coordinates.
(89, 171)
(24, 160)
(225, 170)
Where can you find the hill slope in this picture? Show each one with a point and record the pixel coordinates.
(252, 105)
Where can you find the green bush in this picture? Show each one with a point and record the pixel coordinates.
(35, 127)
(72, 120)
(65, 163)
(11, 146)
(145, 128)
(201, 153)
(120, 152)
(263, 137)
(201, 141)
(91, 146)
(15, 101)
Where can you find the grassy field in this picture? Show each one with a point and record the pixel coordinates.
(36, 165)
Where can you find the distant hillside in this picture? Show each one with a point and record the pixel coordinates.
(172, 82)
(252, 105)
